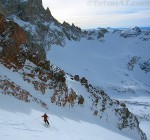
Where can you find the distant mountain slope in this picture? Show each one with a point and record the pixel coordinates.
(115, 60)
(120, 65)
(80, 70)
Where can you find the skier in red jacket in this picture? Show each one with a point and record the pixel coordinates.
(45, 116)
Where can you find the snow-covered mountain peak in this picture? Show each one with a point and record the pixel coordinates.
(90, 77)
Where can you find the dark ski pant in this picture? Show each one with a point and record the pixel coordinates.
(46, 121)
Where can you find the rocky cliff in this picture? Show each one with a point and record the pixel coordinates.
(14, 46)
(12, 41)
(41, 27)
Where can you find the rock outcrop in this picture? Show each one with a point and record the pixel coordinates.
(15, 48)
(132, 32)
(28, 10)
(12, 38)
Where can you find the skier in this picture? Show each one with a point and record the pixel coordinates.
(45, 116)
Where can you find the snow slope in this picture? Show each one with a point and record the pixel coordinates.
(22, 121)
(105, 64)
(103, 61)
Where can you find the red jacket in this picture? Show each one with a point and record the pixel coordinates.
(45, 117)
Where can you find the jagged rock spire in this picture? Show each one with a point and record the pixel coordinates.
(27, 10)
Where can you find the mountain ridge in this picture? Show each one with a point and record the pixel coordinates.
(41, 34)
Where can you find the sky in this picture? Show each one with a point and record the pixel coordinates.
(101, 13)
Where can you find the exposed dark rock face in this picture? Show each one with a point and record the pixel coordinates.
(12, 38)
(41, 27)
(14, 49)
(145, 65)
(26, 10)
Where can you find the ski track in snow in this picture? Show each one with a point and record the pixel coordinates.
(19, 124)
